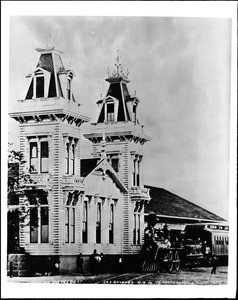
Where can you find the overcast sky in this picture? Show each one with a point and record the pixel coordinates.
(180, 69)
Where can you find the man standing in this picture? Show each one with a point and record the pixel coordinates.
(95, 259)
(80, 264)
(214, 263)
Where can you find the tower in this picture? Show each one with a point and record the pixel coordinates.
(49, 118)
(119, 135)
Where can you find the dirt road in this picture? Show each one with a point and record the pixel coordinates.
(197, 276)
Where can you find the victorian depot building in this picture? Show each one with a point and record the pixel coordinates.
(77, 205)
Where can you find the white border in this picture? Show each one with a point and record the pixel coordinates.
(133, 8)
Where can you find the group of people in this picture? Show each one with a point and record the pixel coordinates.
(96, 263)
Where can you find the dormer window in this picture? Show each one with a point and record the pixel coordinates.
(40, 86)
(110, 112)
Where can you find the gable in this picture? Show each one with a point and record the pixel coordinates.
(105, 170)
(104, 186)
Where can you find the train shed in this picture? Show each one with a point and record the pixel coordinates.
(176, 211)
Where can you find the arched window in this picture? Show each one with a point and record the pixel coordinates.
(70, 155)
(98, 224)
(111, 224)
(67, 158)
(138, 229)
(70, 214)
(85, 223)
(134, 229)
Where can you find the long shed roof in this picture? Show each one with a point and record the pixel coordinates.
(168, 204)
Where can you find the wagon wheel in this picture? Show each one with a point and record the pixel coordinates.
(170, 261)
(176, 261)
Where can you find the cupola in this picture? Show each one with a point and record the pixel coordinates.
(118, 105)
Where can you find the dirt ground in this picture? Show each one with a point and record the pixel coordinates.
(196, 276)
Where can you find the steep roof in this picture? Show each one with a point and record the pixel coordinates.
(50, 60)
(92, 164)
(166, 203)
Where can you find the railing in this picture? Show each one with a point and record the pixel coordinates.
(140, 192)
(72, 180)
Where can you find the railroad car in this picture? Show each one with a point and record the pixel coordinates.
(172, 249)
(214, 237)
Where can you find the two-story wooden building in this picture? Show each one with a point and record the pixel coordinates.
(77, 205)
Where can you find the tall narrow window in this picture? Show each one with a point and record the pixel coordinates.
(34, 224)
(72, 224)
(72, 159)
(134, 229)
(110, 112)
(85, 223)
(44, 162)
(40, 86)
(111, 224)
(98, 224)
(134, 113)
(134, 172)
(33, 157)
(67, 225)
(138, 173)
(39, 219)
(138, 230)
(68, 219)
(69, 89)
(44, 224)
(67, 158)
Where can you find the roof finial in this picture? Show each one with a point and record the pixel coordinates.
(117, 64)
(118, 71)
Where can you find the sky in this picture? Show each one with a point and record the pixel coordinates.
(180, 70)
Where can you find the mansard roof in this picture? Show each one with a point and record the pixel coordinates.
(50, 60)
(167, 204)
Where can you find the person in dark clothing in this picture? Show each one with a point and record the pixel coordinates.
(49, 267)
(11, 268)
(166, 231)
(95, 260)
(80, 264)
(120, 266)
(214, 263)
(101, 264)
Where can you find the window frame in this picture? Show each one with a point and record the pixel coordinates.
(111, 224)
(38, 158)
(85, 223)
(109, 113)
(38, 207)
(37, 77)
(70, 218)
(98, 223)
